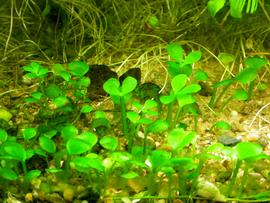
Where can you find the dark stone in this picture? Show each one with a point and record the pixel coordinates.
(228, 140)
(147, 90)
(98, 75)
(133, 72)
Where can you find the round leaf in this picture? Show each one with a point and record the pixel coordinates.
(190, 89)
(167, 99)
(246, 76)
(158, 126)
(29, 133)
(16, 151)
(86, 109)
(240, 95)
(69, 131)
(77, 146)
(175, 51)
(47, 144)
(112, 87)
(32, 174)
(3, 135)
(178, 138)
(192, 57)
(109, 143)
(178, 82)
(129, 175)
(214, 6)
(78, 68)
(8, 174)
(53, 91)
(128, 85)
(248, 150)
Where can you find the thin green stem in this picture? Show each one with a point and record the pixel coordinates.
(222, 93)
(176, 117)
(233, 179)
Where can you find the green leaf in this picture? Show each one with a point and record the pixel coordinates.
(36, 70)
(190, 89)
(153, 21)
(159, 158)
(185, 100)
(16, 151)
(112, 87)
(173, 68)
(149, 104)
(222, 125)
(37, 95)
(109, 142)
(240, 95)
(176, 52)
(83, 82)
(78, 68)
(8, 174)
(86, 109)
(237, 8)
(53, 91)
(186, 70)
(29, 133)
(128, 85)
(121, 157)
(60, 101)
(3, 135)
(31, 175)
(89, 138)
(247, 150)
(255, 62)
(129, 175)
(167, 99)
(58, 69)
(226, 58)
(178, 82)
(192, 57)
(134, 117)
(214, 6)
(68, 132)
(246, 76)
(77, 146)
(178, 138)
(47, 144)
(158, 126)
(84, 164)
(5, 115)
(201, 75)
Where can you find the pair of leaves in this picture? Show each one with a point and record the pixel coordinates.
(35, 71)
(181, 65)
(113, 88)
(181, 92)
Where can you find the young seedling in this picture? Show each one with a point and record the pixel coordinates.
(119, 95)
(56, 99)
(178, 139)
(248, 153)
(181, 93)
(181, 65)
(144, 116)
(246, 77)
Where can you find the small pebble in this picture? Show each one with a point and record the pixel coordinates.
(68, 194)
(29, 197)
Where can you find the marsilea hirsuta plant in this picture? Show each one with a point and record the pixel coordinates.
(98, 158)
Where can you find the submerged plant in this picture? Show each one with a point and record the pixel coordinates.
(181, 93)
(246, 77)
(120, 95)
